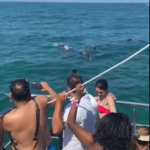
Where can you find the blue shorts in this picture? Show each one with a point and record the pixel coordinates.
(51, 147)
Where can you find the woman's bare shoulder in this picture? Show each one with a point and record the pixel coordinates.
(112, 96)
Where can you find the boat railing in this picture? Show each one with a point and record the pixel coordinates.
(134, 115)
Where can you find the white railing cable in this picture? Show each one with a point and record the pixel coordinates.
(122, 62)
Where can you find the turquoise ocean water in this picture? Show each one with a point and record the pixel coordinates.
(29, 33)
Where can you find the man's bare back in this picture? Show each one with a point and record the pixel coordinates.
(22, 122)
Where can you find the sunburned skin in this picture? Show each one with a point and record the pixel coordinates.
(28, 123)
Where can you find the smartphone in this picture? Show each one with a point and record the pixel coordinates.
(36, 86)
(74, 71)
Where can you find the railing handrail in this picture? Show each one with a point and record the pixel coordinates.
(132, 104)
(4, 112)
(117, 102)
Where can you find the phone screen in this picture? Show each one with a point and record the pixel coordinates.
(36, 86)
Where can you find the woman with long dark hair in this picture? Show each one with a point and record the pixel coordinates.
(105, 99)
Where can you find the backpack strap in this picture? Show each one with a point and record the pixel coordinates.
(35, 138)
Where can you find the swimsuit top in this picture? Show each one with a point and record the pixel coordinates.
(103, 110)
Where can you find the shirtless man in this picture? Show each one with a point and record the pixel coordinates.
(1, 135)
(105, 99)
(28, 124)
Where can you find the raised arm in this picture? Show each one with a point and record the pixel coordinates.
(84, 137)
(52, 93)
(58, 124)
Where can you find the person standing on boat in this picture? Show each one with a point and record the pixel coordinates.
(114, 131)
(86, 115)
(105, 99)
(141, 141)
(28, 123)
(1, 135)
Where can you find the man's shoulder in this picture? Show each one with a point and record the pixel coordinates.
(87, 96)
(14, 114)
(11, 117)
(42, 99)
(89, 99)
(11, 113)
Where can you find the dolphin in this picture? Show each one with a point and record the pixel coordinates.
(92, 48)
(64, 47)
(129, 40)
(86, 55)
(60, 46)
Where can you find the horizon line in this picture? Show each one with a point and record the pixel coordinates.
(73, 2)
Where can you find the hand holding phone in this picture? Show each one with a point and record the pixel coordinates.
(45, 87)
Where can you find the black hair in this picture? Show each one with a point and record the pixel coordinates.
(136, 143)
(102, 84)
(114, 132)
(142, 143)
(73, 80)
(20, 90)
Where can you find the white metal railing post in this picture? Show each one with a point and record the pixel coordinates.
(7, 144)
(11, 103)
(134, 120)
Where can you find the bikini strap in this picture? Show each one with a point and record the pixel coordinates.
(104, 100)
(35, 138)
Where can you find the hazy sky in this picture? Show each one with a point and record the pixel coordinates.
(120, 1)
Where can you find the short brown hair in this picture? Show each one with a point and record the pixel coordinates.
(73, 80)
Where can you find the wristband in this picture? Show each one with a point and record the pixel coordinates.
(75, 104)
